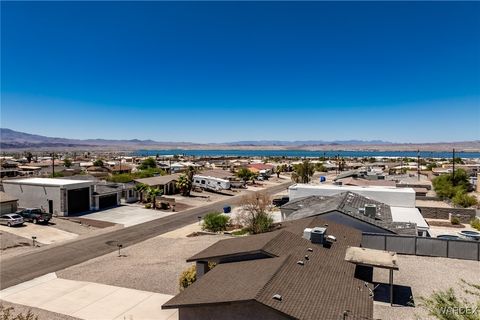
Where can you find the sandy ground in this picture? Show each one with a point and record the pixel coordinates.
(153, 265)
(42, 314)
(422, 275)
(432, 203)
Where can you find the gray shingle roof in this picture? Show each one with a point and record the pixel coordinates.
(323, 288)
(348, 203)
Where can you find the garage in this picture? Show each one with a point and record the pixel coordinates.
(107, 201)
(78, 200)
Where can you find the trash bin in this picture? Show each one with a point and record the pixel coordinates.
(227, 209)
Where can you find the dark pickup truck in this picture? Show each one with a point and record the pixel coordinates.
(278, 202)
(35, 215)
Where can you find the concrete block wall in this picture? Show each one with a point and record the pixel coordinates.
(464, 215)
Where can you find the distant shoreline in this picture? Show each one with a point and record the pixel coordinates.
(470, 147)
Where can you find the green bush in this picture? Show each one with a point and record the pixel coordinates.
(464, 200)
(215, 221)
(455, 220)
(475, 223)
(263, 224)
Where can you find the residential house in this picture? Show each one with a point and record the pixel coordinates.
(398, 197)
(166, 183)
(359, 212)
(279, 275)
(58, 196)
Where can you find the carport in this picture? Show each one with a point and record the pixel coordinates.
(374, 258)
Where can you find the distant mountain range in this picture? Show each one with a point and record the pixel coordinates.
(15, 140)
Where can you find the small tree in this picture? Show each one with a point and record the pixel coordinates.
(29, 156)
(67, 162)
(304, 171)
(98, 163)
(278, 170)
(255, 212)
(147, 164)
(245, 174)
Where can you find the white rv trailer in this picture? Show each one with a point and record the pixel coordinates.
(210, 183)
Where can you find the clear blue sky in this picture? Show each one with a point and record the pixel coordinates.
(225, 71)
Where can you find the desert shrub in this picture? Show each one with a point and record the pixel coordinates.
(446, 305)
(464, 200)
(475, 223)
(6, 313)
(215, 221)
(455, 220)
(189, 276)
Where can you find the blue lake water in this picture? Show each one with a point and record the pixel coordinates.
(303, 153)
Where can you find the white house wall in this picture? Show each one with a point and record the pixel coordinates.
(35, 196)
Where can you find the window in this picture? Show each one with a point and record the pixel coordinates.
(218, 182)
(203, 181)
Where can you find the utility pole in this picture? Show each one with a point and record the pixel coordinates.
(53, 165)
(418, 164)
(453, 168)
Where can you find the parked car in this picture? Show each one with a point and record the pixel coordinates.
(11, 219)
(35, 215)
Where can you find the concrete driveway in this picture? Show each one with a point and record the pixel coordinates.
(88, 300)
(127, 214)
(45, 234)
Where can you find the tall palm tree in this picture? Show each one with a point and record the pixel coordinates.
(184, 185)
(141, 188)
(152, 195)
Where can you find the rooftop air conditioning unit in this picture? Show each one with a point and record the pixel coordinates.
(371, 210)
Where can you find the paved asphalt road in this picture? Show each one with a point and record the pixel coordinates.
(26, 267)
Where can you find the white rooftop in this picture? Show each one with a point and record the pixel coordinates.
(352, 188)
(46, 181)
(412, 215)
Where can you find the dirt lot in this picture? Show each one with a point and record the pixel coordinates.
(17, 240)
(420, 276)
(153, 265)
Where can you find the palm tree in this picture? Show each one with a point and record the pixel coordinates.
(141, 188)
(184, 185)
(152, 195)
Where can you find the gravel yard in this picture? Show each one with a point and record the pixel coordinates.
(42, 314)
(423, 275)
(153, 265)
(70, 225)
